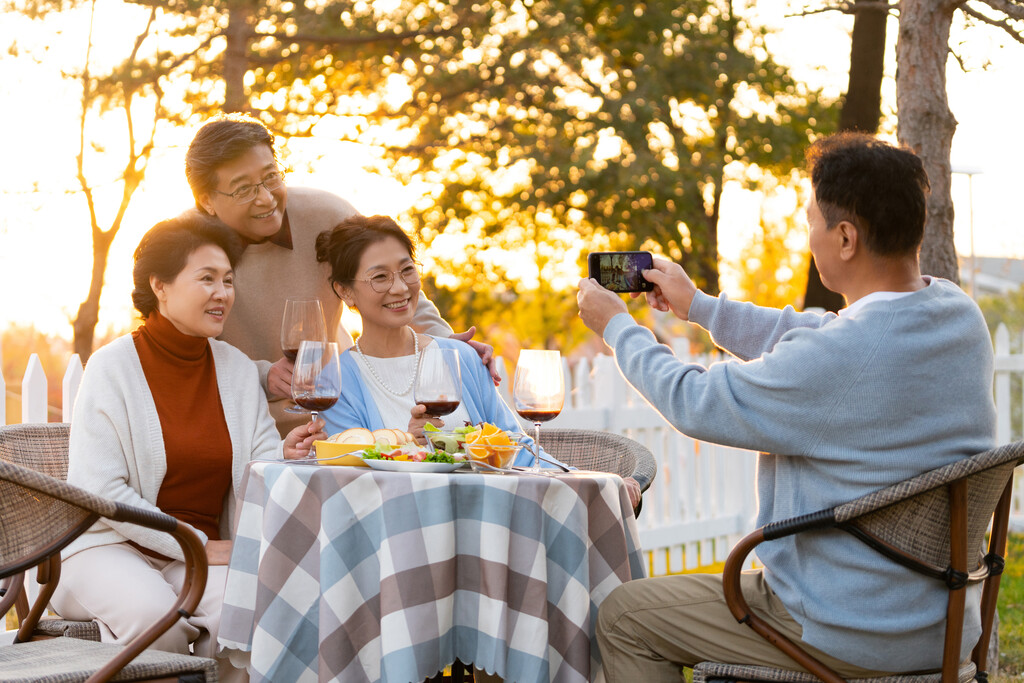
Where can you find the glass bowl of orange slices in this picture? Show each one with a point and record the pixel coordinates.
(490, 447)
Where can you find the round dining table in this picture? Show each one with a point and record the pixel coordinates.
(351, 574)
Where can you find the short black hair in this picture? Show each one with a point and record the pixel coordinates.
(877, 186)
(221, 140)
(165, 248)
(342, 246)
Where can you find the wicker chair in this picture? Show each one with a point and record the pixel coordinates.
(44, 448)
(602, 452)
(41, 515)
(935, 524)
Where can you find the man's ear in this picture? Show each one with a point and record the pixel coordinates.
(207, 204)
(849, 240)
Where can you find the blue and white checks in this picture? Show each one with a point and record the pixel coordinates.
(341, 573)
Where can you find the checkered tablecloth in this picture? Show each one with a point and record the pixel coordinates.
(349, 574)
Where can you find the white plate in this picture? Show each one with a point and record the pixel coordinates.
(408, 466)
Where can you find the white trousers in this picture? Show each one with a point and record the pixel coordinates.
(127, 591)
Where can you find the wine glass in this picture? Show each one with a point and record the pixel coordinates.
(316, 379)
(303, 321)
(538, 390)
(438, 381)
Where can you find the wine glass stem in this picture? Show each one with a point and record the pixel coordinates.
(536, 445)
(312, 418)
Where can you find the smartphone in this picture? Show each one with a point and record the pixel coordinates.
(620, 271)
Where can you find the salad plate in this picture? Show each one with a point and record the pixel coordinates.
(412, 466)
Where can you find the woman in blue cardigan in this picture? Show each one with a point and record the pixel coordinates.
(373, 272)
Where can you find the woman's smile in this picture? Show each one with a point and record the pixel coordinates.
(398, 305)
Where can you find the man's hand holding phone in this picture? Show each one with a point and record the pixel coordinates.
(673, 288)
(597, 305)
(667, 287)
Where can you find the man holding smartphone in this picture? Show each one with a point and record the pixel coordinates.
(839, 406)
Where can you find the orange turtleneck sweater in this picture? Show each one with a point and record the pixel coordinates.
(183, 380)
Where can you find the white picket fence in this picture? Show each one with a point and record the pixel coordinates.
(703, 498)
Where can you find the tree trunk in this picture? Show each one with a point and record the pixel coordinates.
(862, 107)
(862, 110)
(84, 324)
(723, 104)
(926, 124)
(236, 60)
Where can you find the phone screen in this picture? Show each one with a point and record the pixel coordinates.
(620, 271)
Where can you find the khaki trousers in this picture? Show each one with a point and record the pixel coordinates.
(650, 628)
(127, 591)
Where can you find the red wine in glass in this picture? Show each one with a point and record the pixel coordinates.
(438, 381)
(291, 353)
(538, 415)
(316, 379)
(315, 404)
(538, 390)
(439, 408)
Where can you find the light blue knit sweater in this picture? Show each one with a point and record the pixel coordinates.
(840, 407)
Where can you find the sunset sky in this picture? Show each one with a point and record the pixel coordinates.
(45, 248)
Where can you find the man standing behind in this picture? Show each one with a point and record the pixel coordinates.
(232, 168)
(899, 383)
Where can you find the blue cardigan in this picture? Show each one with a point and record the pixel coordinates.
(356, 407)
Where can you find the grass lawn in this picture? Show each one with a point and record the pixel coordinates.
(1011, 613)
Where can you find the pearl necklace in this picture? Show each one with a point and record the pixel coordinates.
(373, 371)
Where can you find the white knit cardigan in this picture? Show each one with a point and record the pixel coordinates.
(117, 445)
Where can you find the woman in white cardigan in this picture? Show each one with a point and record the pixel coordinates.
(166, 418)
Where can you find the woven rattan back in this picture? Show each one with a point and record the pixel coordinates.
(38, 518)
(41, 447)
(600, 451)
(919, 526)
(919, 523)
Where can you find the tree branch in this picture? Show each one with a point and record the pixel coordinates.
(178, 61)
(1011, 8)
(1003, 24)
(285, 37)
(80, 157)
(849, 8)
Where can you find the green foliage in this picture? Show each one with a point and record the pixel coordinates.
(1008, 309)
(557, 125)
(616, 120)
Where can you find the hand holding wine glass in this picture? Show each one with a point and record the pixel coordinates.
(316, 380)
(538, 389)
(438, 381)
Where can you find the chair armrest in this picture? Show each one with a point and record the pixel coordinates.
(196, 570)
(736, 603)
(79, 509)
